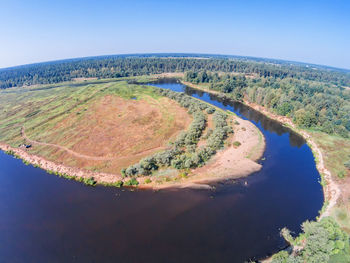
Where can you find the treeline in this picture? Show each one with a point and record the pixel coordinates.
(184, 152)
(310, 104)
(322, 241)
(124, 66)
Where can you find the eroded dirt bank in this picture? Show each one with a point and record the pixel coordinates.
(57, 168)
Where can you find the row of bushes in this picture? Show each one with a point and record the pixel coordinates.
(184, 153)
(215, 141)
(194, 132)
(186, 138)
(186, 101)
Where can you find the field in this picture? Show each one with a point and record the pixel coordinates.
(336, 151)
(99, 127)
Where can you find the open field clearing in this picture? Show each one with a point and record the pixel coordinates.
(105, 126)
(102, 127)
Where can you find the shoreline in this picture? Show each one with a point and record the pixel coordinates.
(244, 156)
(331, 191)
(52, 167)
(228, 163)
(198, 179)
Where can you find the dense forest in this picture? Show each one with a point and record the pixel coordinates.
(311, 104)
(123, 66)
(313, 96)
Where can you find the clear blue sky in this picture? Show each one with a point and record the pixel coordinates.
(313, 31)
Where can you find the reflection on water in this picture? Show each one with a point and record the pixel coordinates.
(45, 218)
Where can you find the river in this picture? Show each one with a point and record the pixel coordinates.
(45, 218)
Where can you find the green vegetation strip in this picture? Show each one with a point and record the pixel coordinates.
(184, 153)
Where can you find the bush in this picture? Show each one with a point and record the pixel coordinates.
(209, 132)
(118, 183)
(341, 174)
(10, 152)
(341, 131)
(280, 257)
(236, 143)
(183, 175)
(131, 182)
(123, 172)
(210, 110)
(147, 181)
(89, 181)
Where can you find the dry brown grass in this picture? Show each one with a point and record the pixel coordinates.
(119, 131)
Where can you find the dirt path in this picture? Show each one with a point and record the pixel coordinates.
(83, 156)
(79, 155)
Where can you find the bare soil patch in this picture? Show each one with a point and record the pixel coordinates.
(234, 162)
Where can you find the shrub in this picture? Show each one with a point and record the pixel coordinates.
(183, 175)
(89, 181)
(147, 181)
(341, 174)
(210, 110)
(191, 148)
(236, 143)
(25, 162)
(131, 182)
(123, 172)
(10, 152)
(209, 132)
(118, 183)
(280, 257)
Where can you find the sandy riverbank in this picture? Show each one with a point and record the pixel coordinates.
(230, 163)
(330, 188)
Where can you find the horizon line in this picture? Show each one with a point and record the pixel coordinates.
(184, 55)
